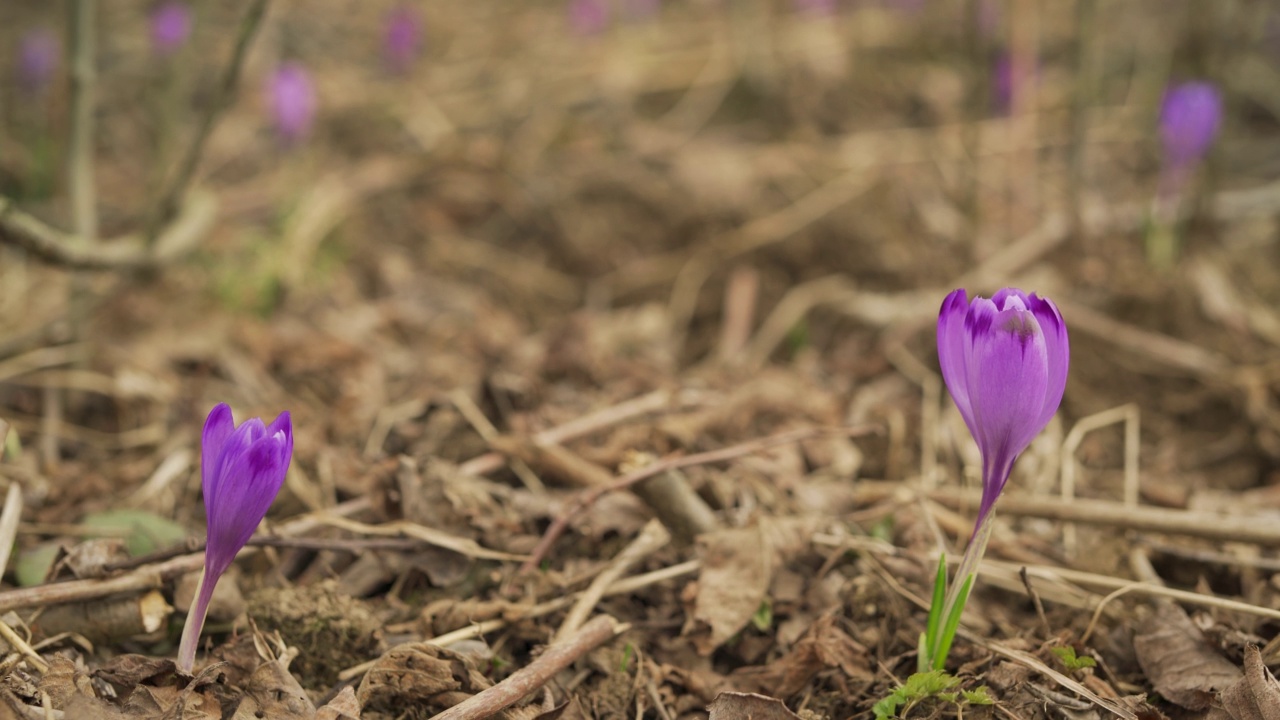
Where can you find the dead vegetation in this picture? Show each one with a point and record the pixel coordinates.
(611, 366)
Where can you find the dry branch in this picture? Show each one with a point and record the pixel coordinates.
(126, 253)
(537, 673)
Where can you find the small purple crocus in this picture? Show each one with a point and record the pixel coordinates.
(402, 38)
(241, 470)
(1189, 120)
(38, 54)
(293, 101)
(170, 27)
(588, 17)
(1005, 362)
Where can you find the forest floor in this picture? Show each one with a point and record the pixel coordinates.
(611, 362)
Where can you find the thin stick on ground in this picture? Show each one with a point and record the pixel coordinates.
(537, 673)
(589, 497)
(480, 629)
(653, 537)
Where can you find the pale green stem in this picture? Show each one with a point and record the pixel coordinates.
(958, 592)
(195, 621)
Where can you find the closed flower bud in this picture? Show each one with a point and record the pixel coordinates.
(1189, 120)
(242, 469)
(293, 101)
(170, 27)
(1005, 362)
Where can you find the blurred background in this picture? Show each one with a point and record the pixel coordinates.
(355, 209)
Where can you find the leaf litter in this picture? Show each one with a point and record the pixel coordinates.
(478, 344)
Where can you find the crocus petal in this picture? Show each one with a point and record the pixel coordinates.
(235, 445)
(952, 354)
(217, 428)
(1058, 352)
(1008, 376)
(249, 486)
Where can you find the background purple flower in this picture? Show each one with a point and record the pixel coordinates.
(170, 27)
(588, 17)
(293, 101)
(1189, 120)
(38, 55)
(402, 38)
(1005, 82)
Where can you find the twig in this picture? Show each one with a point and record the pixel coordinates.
(585, 425)
(11, 514)
(1211, 526)
(129, 252)
(16, 642)
(537, 673)
(588, 497)
(168, 205)
(475, 630)
(152, 576)
(652, 538)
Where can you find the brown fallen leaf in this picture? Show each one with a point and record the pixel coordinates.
(737, 567)
(343, 706)
(1256, 696)
(273, 692)
(823, 646)
(748, 706)
(1179, 662)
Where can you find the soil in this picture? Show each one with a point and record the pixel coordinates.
(640, 325)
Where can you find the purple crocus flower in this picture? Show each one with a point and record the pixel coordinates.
(293, 101)
(38, 55)
(1005, 362)
(170, 27)
(1189, 119)
(241, 470)
(588, 17)
(402, 38)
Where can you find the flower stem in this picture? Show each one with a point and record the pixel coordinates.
(195, 621)
(958, 593)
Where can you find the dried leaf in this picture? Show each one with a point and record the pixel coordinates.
(1180, 664)
(1256, 696)
(824, 646)
(343, 706)
(748, 706)
(737, 566)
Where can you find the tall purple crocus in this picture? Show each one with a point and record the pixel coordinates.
(38, 55)
(1189, 120)
(402, 38)
(1005, 362)
(170, 27)
(241, 469)
(293, 101)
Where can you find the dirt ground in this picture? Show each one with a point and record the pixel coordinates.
(610, 355)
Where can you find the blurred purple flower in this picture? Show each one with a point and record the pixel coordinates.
(1005, 362)
(241, 471)
(1004, 83)
(39, 53)
(588, 17)
(170, 27)
(1189, 120)
(402, 38)
(293, 101)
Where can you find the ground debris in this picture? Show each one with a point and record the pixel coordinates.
(1178, 661)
